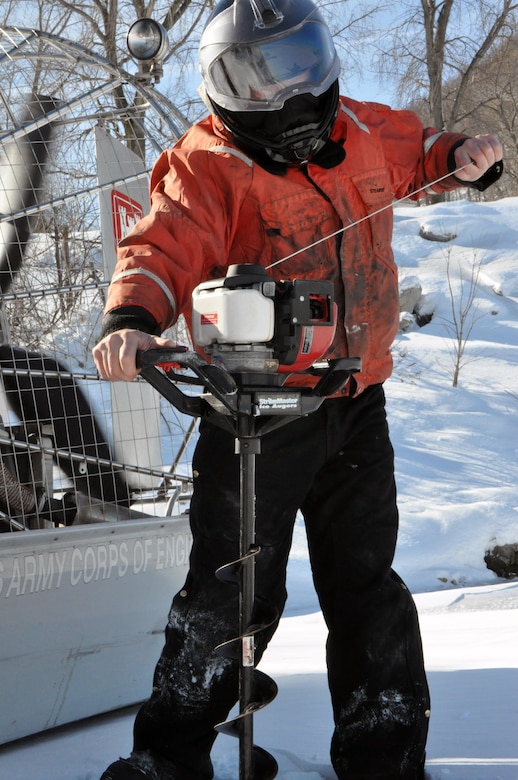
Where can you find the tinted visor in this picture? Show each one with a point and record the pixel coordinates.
(263, 75)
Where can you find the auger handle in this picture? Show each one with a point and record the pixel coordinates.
(216, 380)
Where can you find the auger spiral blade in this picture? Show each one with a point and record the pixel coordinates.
(257, 689)
(235, 649)
(229, 572)
(262, 765)
(264, 691)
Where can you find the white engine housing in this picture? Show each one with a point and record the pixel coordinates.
(231, 316)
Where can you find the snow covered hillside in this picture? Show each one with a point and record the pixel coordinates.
(457, 472)
(457, 447)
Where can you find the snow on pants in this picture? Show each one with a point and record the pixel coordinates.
(337, 466)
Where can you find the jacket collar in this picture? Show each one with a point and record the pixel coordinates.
(332, 153)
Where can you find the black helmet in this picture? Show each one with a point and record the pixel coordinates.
(270, 71)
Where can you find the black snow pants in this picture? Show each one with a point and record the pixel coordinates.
(336, 466)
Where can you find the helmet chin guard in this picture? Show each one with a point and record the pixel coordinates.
(291, 135)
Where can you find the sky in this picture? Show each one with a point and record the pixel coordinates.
(359, 82)
(457, 473)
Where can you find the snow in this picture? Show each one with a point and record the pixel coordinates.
(457, 471)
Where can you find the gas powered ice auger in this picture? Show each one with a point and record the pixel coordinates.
(256, 331)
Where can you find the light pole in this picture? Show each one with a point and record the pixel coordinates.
(148, 43)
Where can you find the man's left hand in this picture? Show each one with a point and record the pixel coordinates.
(478, 154)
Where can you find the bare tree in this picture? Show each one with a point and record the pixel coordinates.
(491, 100)
(102, 25)
(442, 44)
(64, 251)
(457, 50)
(437, 51)
(462, 288)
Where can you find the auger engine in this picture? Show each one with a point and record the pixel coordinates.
(248, 322)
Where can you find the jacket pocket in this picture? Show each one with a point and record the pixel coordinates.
(375, 191)
(295, 223)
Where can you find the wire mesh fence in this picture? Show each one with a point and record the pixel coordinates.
(78, 137)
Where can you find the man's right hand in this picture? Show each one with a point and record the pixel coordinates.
(115, 354)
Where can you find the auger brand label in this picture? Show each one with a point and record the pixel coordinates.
(284, 402)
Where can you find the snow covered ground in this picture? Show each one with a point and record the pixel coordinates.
(457, 471)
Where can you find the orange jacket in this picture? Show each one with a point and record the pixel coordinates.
(213, 206)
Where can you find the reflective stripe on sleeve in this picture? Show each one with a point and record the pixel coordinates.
(430, 142)
(150, 275)
(426, 148)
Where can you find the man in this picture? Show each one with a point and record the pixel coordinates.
(281, 163)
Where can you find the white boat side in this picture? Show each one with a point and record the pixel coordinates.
(83, 611)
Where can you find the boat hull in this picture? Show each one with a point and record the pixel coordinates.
(82, 616)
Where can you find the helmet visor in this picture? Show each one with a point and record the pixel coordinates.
(263, 75)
